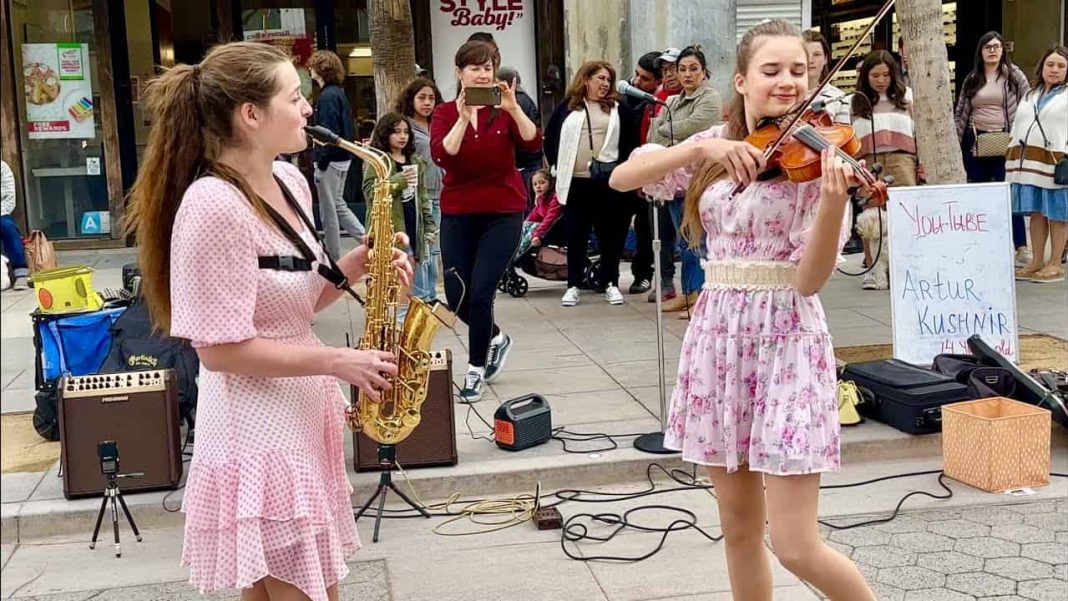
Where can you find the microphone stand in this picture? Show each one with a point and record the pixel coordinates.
(653, 442)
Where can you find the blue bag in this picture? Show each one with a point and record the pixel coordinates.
(76, 345)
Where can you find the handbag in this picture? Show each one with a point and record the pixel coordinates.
(991, 143)
(600, 171)
(1060, 172)
(40, 254)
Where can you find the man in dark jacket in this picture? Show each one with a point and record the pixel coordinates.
(647, 79)
(528, 163)
(333, 112)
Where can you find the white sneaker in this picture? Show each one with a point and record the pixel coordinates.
(571, 297)
(1023, 256)
(613, 295)
(876, 282)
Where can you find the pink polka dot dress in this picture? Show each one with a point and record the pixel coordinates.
(267, 492)
(756, 382)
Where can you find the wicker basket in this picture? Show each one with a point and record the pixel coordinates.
(996, 444)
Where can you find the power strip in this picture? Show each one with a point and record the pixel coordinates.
(548, 519)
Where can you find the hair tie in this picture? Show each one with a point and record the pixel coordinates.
(196, 78)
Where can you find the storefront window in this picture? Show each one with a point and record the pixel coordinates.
(57, 77)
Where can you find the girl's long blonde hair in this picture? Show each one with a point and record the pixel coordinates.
(734, 129)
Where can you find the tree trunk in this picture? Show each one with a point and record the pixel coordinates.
(936, 134)
(392, 50)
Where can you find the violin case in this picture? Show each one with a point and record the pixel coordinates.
(903, 395)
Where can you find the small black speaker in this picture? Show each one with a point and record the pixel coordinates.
(523, 422)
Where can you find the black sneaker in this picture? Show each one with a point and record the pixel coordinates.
(640, 286)
(497, 355)
(472, 390)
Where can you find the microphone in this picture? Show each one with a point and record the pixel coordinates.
(821, 104)
(624, 87)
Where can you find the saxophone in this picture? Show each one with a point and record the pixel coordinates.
(391, 419)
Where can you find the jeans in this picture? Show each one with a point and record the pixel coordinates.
(693, 275)
(475, 250)
(641, 265)
(594, 206)
(11, 246)
(990, 169)
(425, 285)
(333, 211)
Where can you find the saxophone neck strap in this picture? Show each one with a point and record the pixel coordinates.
(329, 269)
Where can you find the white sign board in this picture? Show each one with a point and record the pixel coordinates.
(510, 21)
(951, 270)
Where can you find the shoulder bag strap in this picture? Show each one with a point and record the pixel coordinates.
(589, 128)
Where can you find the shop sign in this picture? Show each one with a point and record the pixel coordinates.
(510, 21)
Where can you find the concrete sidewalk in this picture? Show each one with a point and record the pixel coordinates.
(596, 365)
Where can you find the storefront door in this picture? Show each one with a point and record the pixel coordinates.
(58, 83)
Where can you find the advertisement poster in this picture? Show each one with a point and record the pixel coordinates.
(59, 91)
(285, 28)
(510, 21)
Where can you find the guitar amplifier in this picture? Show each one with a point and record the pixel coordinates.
(433, 442)
(139, 411)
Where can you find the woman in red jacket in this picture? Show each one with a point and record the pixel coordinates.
(482, 204)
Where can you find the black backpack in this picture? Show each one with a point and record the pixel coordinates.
(135, 347)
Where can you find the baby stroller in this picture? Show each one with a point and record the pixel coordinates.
(547, 262)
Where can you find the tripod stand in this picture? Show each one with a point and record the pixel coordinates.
(113, 494)
(387, 459)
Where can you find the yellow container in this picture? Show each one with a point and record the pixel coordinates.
(66, 290)
(996, 444)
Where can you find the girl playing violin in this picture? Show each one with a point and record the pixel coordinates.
(755, 400)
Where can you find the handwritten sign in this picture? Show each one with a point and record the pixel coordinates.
(951, 270)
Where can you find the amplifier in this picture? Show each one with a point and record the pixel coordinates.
(523, 422)
(433, 442)
(139, 411)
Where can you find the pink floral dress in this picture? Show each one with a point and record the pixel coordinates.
(756, 382)
(267, 492)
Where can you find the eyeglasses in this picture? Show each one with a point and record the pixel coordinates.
(992, 47)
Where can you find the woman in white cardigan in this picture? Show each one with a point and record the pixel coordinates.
(1039, 142)
(587, 127)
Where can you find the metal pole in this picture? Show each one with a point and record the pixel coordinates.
(653, 442)
(655, 206)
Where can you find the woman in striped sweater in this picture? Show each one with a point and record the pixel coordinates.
(882, 119)
(1039, 142)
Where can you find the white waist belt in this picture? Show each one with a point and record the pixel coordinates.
(749, 275)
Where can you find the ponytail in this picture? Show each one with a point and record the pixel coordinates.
(192, 110)
(175, 156)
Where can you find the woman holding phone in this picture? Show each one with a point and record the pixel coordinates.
(482, 202)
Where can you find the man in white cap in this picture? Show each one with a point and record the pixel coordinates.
(669, 73)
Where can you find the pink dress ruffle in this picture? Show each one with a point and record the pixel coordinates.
(267, 492)
(756, 381)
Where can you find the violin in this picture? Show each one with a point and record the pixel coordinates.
(793, 143)
(797, 153)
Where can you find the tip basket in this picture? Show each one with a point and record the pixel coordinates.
(996, 444)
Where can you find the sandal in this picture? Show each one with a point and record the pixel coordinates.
(1048, 275)
(1026, 273)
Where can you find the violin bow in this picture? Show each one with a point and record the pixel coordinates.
(805, 104)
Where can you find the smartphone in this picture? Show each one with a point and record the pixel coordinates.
(483, 96)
